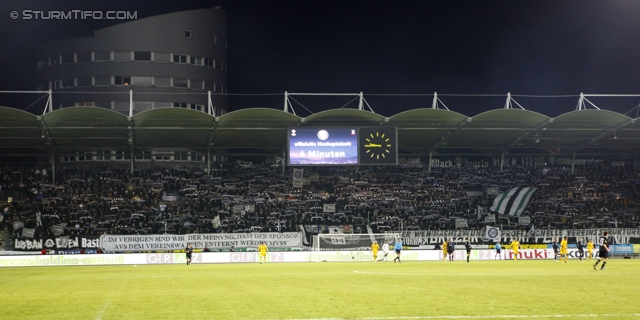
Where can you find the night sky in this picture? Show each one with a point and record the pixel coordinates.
(396, 52)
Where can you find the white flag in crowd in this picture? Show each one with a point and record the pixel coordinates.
(481, 211)
(18, 225)
(513, 202)
(58, 229)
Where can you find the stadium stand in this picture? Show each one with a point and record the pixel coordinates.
(105, 199)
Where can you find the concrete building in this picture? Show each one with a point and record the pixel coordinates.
(171, 60)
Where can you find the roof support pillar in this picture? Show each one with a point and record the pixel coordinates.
(50, 101)
(573, 162)
(286, 100)
(210, 103)
(360, 105)
(130, 103)
(429, 165)
(284, 160)
(502, 160)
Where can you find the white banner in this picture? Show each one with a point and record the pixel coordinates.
(199, 241)
(461, 223)
(492, 233)
(329, 207)
(490, 218)
(242, 240)
(297, 178)
(524, 220)
(28, 232)
(169, 198)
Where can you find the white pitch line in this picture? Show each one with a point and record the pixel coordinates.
(105, 306)
(514, 316)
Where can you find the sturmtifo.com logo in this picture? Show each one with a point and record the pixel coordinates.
(29, 14)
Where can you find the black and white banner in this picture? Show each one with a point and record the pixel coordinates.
(429, 237)
(162, 242)
(57, 243)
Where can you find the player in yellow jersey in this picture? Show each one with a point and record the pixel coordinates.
(374, 251)
(262, 250)
(515, 245)
(590, 249)
(564, 255)
(444, 250)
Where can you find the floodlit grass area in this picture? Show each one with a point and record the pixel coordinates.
(384, 290)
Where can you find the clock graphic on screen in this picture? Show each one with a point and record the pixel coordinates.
(378, 145)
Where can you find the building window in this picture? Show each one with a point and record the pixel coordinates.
(187, 34)
(102, 81)
(84, 104)
(208, 85)
(161, 57)
(215, 39)
(83, 57)
(181, 156)
(83, 82)
(121, 81)
(122, 55)
(57, 84)
(180, 105)
(196, 61)
(179, 58)
(208, 62)
(198, 107)
(102, 56)
(196, 157)
(146, 155)
(121, 106)
(141, 81)
(195, 84)
(40, 64)
(142, 105)
(180, 83)
(162, 82)
(159, 105)
(142, 56)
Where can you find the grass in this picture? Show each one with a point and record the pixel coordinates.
(428, 290)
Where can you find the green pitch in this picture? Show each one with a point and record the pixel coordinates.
(383, 290)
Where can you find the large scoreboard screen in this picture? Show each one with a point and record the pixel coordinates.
(330, 146)
(323, 146)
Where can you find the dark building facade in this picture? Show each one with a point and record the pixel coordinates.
(171, 60)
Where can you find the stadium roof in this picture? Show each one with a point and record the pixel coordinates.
(263, 131)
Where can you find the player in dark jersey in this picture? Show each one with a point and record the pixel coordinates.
(450, 249)
(189, 251)
(467, 245)
(556, 249)
(603, 253)
(580, 246)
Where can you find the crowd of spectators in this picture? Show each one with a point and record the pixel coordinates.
(105, 199)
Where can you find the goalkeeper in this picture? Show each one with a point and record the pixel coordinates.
(374, 251)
